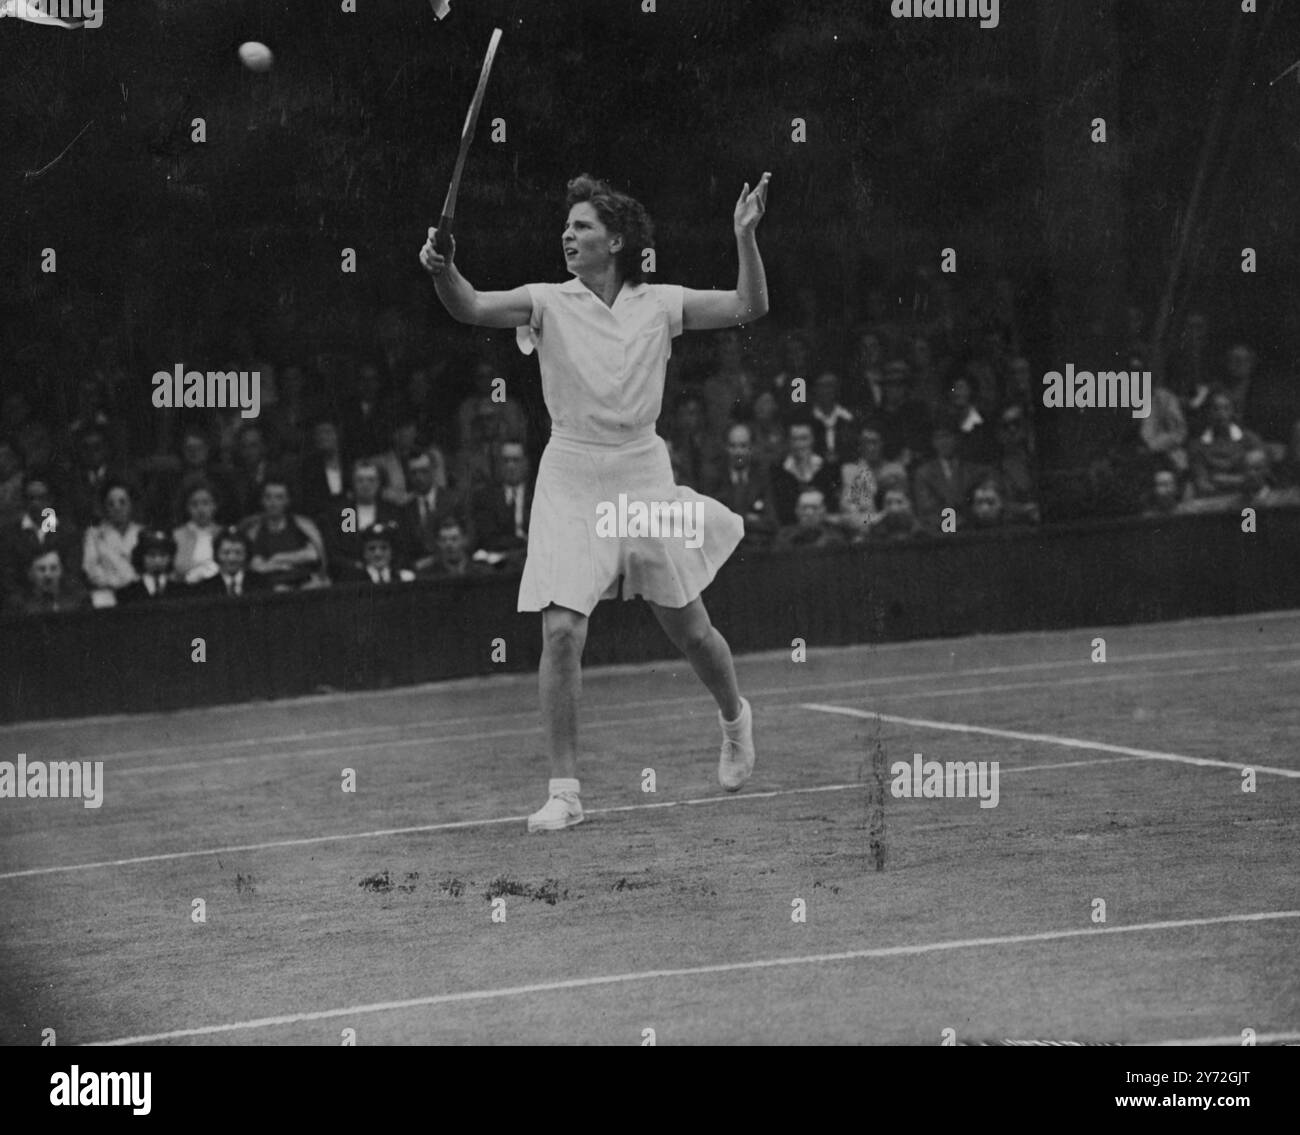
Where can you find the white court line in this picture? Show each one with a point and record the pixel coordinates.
(455, 824)
(1050, 739)
(1215, 1041)
(375, 730)
(621, 722)
(693, 971)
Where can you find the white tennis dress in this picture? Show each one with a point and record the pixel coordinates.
(603, 381)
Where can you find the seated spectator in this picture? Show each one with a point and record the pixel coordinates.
(767, 431)
(284, 547)
(430, 504)
(106, 554)
(946, 481)
(1016, 468)
(195, 550)
(402, 447)
(11, 484)
(47, 587)
(1287, 470)
(1260, 488)
(39, 528)
(1239, 380)
(904, 421)
(252, 468)
(502, 509)
(897, 521)
(165, 502)
(362, 410)
(484, 419)
(233, 577)
(974, 439)
(730, 387)
(40, 458)
(323, 476)
(746, 488)
(153, 560)
(344, 524)
(987, 509)
(377, 543)
(796, 362)
(866, 378)
(860, 484)
(90, 474)
(1219, 454)
(1018, 384)
(812, 528)
(1166, 495)
(695, 454)
(1164, 431)
(802, 469)
(832, 422)
(453, 558)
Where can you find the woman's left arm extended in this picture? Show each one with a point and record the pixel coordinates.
(705, 311)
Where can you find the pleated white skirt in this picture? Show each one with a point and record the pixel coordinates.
(575, 562)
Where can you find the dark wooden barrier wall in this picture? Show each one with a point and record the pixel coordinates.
(344, 638)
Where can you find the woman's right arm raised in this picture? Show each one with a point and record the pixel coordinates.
(484, 309)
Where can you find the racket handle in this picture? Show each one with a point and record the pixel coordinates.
(442, 241)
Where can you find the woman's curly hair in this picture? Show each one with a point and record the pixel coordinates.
(620, 214)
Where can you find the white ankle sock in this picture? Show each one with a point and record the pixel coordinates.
(732, 726)
(565, 784)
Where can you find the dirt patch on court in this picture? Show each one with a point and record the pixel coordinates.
(548, 891)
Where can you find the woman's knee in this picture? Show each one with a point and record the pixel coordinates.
(689, 629)
(563, 630)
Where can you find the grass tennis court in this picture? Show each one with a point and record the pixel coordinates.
(672, 911)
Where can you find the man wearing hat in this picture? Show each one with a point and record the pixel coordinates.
(152, 558)
(377, 554)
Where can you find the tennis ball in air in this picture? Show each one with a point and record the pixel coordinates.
(256, 56)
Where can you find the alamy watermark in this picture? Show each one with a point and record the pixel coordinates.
(39, 780)
(985, 10)
(683, 519)
(945, 780)
(211, 390)
(1105, 390)
(101, 1089)
(89, 12)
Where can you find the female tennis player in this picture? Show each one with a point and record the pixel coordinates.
(603, 341)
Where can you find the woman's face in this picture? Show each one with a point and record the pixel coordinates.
(765, 407)
(117, 507)
(275, 500)
(202, 508)
(586, 241)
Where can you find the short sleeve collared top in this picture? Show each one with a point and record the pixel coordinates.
(602, 367)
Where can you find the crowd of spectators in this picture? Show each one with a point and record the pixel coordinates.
(817, 439)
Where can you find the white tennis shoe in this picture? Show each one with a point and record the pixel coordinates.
(562, 810)
(737, 759)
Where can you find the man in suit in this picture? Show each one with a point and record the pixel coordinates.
(746, 488)
(152, 557)
(501, 508)
(429, 505)
(40, 528)
(48, 589)
(233, 578)
(947, 481)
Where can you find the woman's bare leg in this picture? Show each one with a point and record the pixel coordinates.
(564, 634)
(706, 650)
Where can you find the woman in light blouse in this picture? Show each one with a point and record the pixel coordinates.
(106, 554)
(195, 559)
